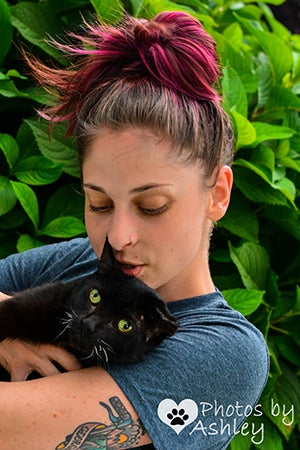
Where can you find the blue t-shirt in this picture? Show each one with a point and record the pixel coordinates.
(195, 390)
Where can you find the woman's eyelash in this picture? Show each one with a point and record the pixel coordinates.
(100, 209)
(154, 211)
(147, 211)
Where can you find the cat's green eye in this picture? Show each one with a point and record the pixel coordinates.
(124, 326)
(95, 296)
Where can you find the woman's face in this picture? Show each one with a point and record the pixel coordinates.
(156, 211)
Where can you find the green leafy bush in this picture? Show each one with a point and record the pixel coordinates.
(255, 256)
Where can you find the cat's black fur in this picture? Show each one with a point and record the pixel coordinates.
(63, 314)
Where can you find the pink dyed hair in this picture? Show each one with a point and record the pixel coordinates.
(170, 58)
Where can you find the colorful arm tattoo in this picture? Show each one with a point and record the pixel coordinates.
(121, 433)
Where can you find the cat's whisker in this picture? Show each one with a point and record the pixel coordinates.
(104, 348)
(98, 353)
(66, 321)
(63, 331)
(105, 354)
(69, 315)
(89, 356)
(74, 314)
(106, 345)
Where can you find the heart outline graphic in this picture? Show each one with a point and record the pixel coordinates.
(177, 416)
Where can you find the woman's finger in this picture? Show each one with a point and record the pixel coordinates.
(59, 355)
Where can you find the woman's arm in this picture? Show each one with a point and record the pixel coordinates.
(85, 407)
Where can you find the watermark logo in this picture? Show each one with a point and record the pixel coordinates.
(177, 416)
(217, 419)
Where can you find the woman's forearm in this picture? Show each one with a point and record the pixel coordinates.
(44, 414)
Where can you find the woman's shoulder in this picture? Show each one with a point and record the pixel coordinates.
(59, 261)
(215, 361)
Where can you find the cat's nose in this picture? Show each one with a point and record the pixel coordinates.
(90, 323)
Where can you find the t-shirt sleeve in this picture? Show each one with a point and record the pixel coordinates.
(61, 261)
(196, 389)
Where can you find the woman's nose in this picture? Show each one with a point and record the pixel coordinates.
(122, 231)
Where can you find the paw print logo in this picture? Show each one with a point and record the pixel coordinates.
(177, 416)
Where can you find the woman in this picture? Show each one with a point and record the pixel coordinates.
(155, 148)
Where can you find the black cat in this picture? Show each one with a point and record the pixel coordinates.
(102, 318)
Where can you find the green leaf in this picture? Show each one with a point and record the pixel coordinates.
(288, 348)
(261, 170)
(6, 30)
(64, 227)
(282, 404)
(265, 157)
(241, 442)
(252, 262)
(10, 148)
(8, 197)
(278, 52)
(26, 242)
(13, 219)
(233, 55)
(60, 149)
(36, 21)
(66, 201)
(37, 170)
(240, 219)
(266, 131)
(246, 301)
(256, 189)
(284, 185)
(267, 436)
(28, 200)
(108, 11)
(289, 163)
(265, 79)
(281, 99)
(234, 93)
(9, 90)
(234, 35)
(291, 326)
(287, 218)
(287, 187)
(245, 132)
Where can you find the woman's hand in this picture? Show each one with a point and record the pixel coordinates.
(3, 296)
(20, 359)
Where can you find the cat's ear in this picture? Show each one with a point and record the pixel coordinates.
(163, 324)
(107, 262)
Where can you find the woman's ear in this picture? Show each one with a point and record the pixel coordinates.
(220, 194)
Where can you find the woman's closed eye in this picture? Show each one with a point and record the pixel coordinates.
(153, 211)
(100, 209)
(144, 210)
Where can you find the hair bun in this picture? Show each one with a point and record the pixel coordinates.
(149, 33)
(177, 51)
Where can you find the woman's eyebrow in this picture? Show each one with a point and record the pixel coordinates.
(136, 190)
(93, 187)
(149, 186)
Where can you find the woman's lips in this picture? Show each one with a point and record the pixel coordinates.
(130, 270)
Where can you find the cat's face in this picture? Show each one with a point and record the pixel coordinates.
(114, 317)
